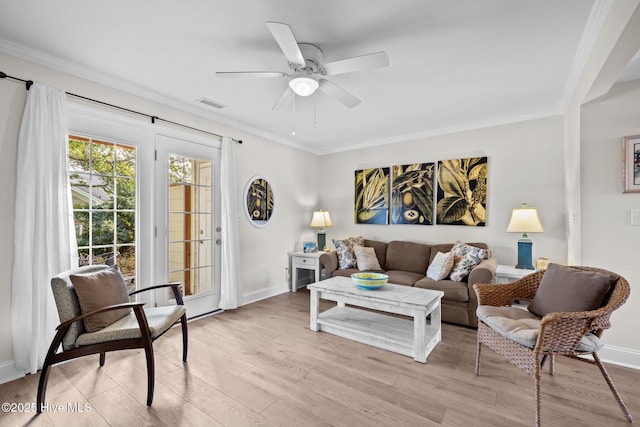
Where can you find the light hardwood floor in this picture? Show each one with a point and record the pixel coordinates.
(261, 365)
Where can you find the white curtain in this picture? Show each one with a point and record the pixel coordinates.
(45, 242)
(231, 275)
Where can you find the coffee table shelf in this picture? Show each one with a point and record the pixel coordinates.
(415, 338)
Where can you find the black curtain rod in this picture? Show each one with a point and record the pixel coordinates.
(28, 84)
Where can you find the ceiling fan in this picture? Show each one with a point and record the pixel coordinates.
(308, 71)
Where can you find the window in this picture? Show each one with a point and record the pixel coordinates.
(103, 187)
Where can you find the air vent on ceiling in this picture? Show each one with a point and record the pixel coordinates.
(210, 103)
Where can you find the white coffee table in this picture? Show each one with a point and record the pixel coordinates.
(415, 338)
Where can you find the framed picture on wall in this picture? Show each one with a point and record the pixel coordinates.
(462, 192)
(631, 164)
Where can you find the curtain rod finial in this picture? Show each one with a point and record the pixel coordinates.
(28, 83)
(2, 75)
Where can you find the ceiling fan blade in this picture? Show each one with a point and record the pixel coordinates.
(338, 93)
(287, 42)
(233, 74)
(357, 63)
(284, 100)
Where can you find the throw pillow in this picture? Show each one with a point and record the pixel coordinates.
(441, 266)
(465, 257)
(366, 258)
(346, 254)
(565, 288)
(98, 290)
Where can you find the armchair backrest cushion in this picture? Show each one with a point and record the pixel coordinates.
(97, 290)
(67, 302)
(564, 288)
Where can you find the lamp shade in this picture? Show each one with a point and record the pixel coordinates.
(321, 219)
(525, 220)
(303, 86)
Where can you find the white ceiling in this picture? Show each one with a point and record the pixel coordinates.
(453, 64)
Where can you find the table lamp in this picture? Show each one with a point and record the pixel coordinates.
(525, 220)
(321, 219)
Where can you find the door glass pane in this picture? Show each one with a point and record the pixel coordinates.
(190, 207)
(103, 188)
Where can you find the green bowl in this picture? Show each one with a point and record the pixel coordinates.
(369, 281)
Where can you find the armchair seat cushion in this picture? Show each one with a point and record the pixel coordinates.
(159, 319)
(523, 327)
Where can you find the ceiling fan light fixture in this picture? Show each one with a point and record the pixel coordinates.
(303, 86)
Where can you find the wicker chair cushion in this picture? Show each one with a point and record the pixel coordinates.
(565, 288)
(159, 319)
(523, 327)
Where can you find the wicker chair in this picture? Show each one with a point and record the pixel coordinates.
(138, 329)
(560, 333)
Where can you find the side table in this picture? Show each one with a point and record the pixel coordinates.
(305, 261)
(509, 273)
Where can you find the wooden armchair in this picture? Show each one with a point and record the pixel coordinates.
(527, 340)
(136, 329)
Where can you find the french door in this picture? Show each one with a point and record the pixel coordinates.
(188, 222)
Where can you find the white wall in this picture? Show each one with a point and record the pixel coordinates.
(608, 238)
(525, 165)
(293, 174)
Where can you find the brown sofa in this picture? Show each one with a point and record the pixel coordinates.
(406, 264)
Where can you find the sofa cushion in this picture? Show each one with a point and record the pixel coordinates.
(344, 249)
(408, 256)
(523, 327)
(380, 248)
(453, 291)
(440, 266)
(465, 258)
(366, 258)
(97, 290)
(400, 277)
(565, 288)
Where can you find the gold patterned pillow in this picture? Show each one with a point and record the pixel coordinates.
(346, 254)
(465, 257)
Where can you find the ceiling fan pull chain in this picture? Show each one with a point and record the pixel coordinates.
(315, 109)
(293, 117)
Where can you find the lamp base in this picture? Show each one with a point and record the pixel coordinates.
(322, 240)
(525, 260)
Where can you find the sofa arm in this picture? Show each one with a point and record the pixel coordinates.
(329, 261)
(483, 272)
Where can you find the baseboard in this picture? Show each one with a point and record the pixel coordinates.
(265, 293)
(620, 356)
(9, 372)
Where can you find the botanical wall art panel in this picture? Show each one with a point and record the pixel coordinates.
(371, 196)
(462, 191)
(412, 194)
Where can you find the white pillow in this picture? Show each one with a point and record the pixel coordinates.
(441, 266)
(366, 258)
